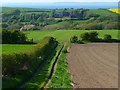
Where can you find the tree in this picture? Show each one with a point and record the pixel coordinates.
(4, 25)
(14, 26)
(53, 13)
(107, 37)
(6, 36)
(89, 36)
(16, 12)
(65, 13)
(13, 37)
(74, 39)
(74, 14)
(93, 35)
(85, 36)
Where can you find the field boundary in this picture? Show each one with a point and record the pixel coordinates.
(53, 70)
(43, 68)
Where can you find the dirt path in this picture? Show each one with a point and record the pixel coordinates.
(94, 65)
(54, 67)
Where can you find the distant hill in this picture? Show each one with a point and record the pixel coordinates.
(87, 5)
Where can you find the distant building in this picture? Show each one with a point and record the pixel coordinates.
(58, 15)
(28, 27)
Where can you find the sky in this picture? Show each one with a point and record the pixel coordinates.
(52, 1)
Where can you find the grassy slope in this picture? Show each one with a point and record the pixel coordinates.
(64, 35)
(102, 12)
(15, 48)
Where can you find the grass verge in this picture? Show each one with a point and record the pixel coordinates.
(62, 77)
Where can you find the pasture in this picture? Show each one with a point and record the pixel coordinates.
(16, 48)
(64, 35)
(102, 12)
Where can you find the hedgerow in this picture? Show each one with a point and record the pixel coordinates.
(21, 66)
(41, 79)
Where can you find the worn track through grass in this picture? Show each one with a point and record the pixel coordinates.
(54, 67)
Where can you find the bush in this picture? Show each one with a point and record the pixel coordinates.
(89, 36)
(93, 35)
(85, 36)
(13, 37)
(74, 39)
(107, 37)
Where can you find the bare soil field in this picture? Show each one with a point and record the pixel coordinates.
(94, 65)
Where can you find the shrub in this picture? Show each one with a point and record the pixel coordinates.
(89, 36)
(93, 35)
(13, 37)
(107, 37)
(85, 36)
(73, 39)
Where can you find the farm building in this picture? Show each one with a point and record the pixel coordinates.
(28, 27)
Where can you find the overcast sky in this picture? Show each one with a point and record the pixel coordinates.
(51, 1)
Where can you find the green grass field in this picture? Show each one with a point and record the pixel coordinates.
(60, 35)
(102, 12)
(64, 35)
(15, 48)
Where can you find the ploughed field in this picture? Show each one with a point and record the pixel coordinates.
(94, 65)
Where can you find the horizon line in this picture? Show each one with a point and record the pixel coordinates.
(67, 2)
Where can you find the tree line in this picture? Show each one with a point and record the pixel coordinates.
(92, 36)
(14, 37)
(16, 19)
